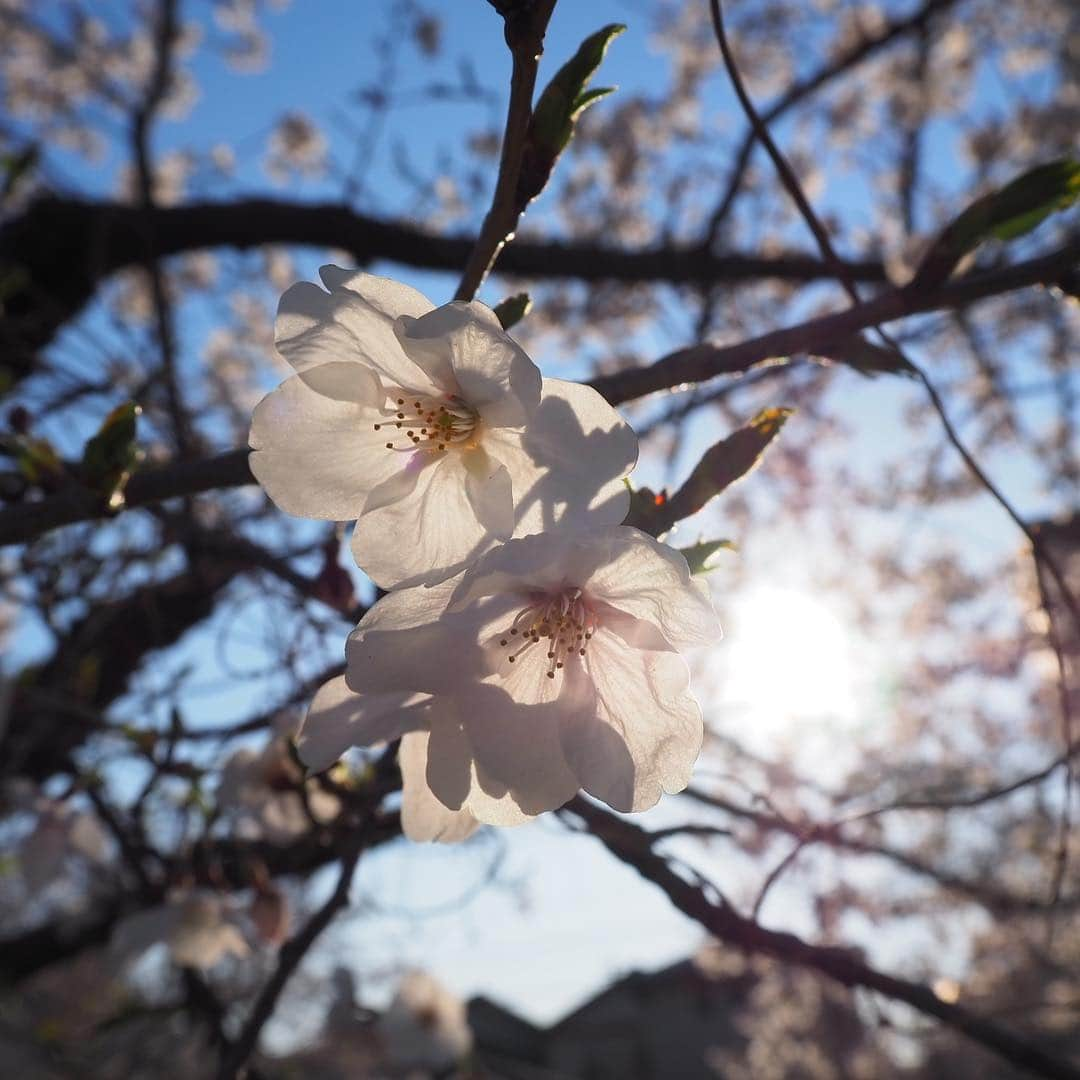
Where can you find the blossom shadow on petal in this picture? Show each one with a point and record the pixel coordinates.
(581, 466)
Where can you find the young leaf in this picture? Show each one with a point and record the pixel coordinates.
(564, 99)
(699, 556)
(110, 456)
(513, 309)
(1005, 214)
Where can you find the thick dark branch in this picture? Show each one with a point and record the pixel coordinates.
(699, 363)
(30, 519)
(58, 252)
(632, 845)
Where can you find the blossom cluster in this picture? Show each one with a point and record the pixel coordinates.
(529, 646)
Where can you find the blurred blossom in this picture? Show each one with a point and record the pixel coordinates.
(270, 914)
(198, 927)
(296, 146)
(265, 795)
(425, 1026)
(60, 832)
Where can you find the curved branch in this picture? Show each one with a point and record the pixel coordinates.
(632, 845)
(55, 255)
(698, 363)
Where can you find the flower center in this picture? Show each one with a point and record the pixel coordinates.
(564, 622)
(419, 423)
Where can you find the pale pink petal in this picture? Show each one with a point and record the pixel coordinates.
(465, 343)
(430, 535)
(487, 487)
(423, 816)
(407, 642)
(318, 456)
(643, 732)
(569, 464)
(339, 719)
(651, 581)
(353, 322)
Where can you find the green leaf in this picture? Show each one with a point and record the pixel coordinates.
(699, 556)
(111, 455)
(513, 309)
(556, 112)
(589, 97)
(16, 167)
(1005, 214)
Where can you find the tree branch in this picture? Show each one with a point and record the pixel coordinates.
(57, 253)
(697, 363)
(631, 845)
(525, 37)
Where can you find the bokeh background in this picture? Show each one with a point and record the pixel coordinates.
(889, 752)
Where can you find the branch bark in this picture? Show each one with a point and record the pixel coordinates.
(631, 845)
(55, 255)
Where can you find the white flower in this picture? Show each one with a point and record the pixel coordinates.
(261, 791)
(430, 427)
(197, 927)
(552, 665)
(60, 832)
(425, 1026)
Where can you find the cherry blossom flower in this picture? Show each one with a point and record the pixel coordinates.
(431, 427)
(261, 792)
(198, 927)
(425, 1026)
(60, 833)
(552, 665)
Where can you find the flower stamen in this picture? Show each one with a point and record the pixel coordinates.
(430, 423)
(564, 621)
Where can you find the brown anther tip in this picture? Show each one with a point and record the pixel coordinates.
(513, 630)
(551, 674)
(581, 652)
(559, 665)
(503, 641)
(551, 656)
(377, 426)
(511, 659)
(401, 401)
(401, 416)
(389, 446)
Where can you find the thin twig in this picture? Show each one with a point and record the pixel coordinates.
(631, 845)
(292, 952)
(525, 37)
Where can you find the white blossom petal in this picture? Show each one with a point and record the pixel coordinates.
(318, 456)
(406, 642)
(465, 343)
(488, 489)
(339, 718)
(651, 581)
(354, 321)
(423, 816)
(569, 465)
(433, 533)
(642, 732)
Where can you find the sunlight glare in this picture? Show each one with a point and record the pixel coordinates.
(789, 658)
